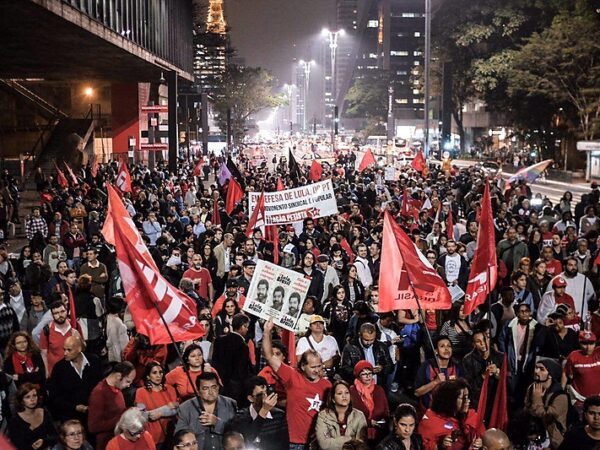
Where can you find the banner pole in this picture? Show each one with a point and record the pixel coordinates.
(422, 314)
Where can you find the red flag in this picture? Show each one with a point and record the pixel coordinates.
(198, 169)
(450, 225)
(419, 163)
(409, 207)
(280, 186)
(499, 417)
(367, 160)
(123, 181)
(71, 174)
(257, 215)
(60, 177)
(411, 271)
(316, 171)
(484, 270)
(148, 294)
(94, 169)
(597, 260)
(346, 246)
(216, 214)
(289, 340)
(482, 405)
(72, 314)
(5, 444)
(234, 195)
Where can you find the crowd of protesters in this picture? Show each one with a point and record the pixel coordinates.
(363, 378)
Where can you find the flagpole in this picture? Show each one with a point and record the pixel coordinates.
(421, 313)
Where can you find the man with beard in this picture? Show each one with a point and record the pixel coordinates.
(293, 304)
(54, 335)
(261, 423)
(262, 288)
(306, 389)
(250, 250)
(244, 280)
(201, 278)
(578, 286)
(278, 294)
(455, 270)
(547, 400)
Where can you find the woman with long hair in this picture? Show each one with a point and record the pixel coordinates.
(209, 261)
(338, 422)
(24, 361)
(22, 263)
(338, 311)
(224, 317)
(31, 428)
(194, 365)
(371, 399)
(535, 244)
(355, 290)
(71, 436)
(458, 330)
(160, 401)
(309, 269)
(449, 422)
(403, 436)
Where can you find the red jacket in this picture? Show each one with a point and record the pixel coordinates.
(106, 405)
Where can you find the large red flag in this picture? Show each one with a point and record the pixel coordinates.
(234, 195)
(148, 294)
(280, 186)
(450, 225)
(197, 172)
(483, 398)
(411, 271)
(258, 215)
(123, 181)
(60, 177)
(409, 207)
(316, 171)
(484, 270)
(419, 162)
(71, 174)
(367, 160)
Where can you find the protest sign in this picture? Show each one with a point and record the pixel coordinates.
(276, 293)
(294, 205)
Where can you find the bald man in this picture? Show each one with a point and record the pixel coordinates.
(495, 439)
(72, 381)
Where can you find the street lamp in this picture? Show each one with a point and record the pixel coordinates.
(333, 45)
(289, 90)
(88, 91)
(306, 66)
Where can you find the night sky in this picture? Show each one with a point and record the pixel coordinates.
(271, 33)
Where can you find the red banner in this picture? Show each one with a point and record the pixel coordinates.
(367, 161)
(147, 292)
(235, 193)
(123, 181)
(409, 272)
(316, 171)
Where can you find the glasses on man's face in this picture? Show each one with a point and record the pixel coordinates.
(74, 434)
(191, 444)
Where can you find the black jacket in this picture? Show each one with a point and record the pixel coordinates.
(353, 352)
(231, 358)
(473, 369)
(393, 442)
(263, 433)
(66, 389)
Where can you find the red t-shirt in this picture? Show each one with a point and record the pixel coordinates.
(145, 442)
(585, 371)
(53, 343)
(553, 267)
(304, 400)
(204, 278)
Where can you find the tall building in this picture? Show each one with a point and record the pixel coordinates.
(211, 44)
(389, 36)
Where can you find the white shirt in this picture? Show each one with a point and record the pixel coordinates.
(327, 348)
(84, 363)
(364, 272)
(452, 267)
(575, 289)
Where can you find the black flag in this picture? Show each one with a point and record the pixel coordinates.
(295, 171)
(235, 172)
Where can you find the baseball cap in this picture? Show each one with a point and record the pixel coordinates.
(249, 262)
(231, 283)
(559, 282)
(316, 318)
(587, 337)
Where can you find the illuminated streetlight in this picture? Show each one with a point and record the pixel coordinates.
(333, 45)
(88, 91)
(306, 66)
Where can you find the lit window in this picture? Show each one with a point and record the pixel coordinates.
(401, 72)
(416, 91)
(373, 24)
(373, 55)
(402, 101)
(417, 34)
(398, 53)
(409, 15)
(417, 63)
(417, 53)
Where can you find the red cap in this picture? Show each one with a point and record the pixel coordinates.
(559, 282)
(587, 337)
(362, 365)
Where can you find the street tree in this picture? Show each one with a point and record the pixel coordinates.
(368, 98)
(243, 92)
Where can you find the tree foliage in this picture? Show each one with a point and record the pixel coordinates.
(368, 96)
(244, 91)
